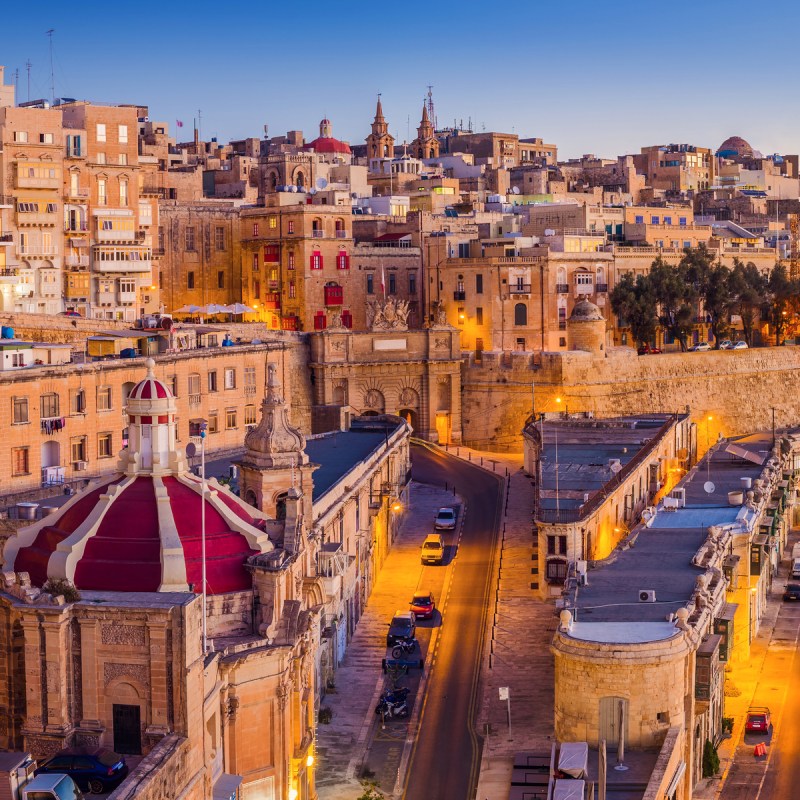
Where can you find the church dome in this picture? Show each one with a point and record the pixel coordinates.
(735, 148)
(140, 530)
(586, 311)
(325, 143)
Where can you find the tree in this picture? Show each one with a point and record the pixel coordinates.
(777, 300)
(676, 296)
(712, 284)
(710, 760)
(633, 301)
(748, 288)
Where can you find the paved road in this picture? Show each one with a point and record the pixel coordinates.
(446, 756)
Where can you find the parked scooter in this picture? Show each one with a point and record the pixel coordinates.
(404, 647)
(393, 703)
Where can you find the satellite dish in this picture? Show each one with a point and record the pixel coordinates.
(515, 189)
(292, 188)
(709, 487)
(191, 450)
(322, 183)
(312, 191)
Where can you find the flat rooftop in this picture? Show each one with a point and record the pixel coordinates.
(584, 449)
(659, 558)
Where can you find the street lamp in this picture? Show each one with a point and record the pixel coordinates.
(203, 429)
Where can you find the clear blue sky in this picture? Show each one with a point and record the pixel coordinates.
(595, 77)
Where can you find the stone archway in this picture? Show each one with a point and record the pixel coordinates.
(411, 416)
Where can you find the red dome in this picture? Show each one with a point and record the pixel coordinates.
(327, 144)
(149, 389)
(125, 551)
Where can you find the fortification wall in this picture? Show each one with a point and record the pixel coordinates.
(738, 389)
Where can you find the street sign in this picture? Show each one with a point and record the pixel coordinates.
(503, 692)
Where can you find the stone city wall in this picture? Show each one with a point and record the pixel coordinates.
(738, 389)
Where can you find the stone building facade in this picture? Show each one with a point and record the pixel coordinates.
(413, 374)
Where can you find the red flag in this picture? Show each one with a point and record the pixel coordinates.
(178, 123)
(383, 282)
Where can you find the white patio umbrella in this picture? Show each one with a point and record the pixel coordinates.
(214, 308)
(239, 308)
(188, 309)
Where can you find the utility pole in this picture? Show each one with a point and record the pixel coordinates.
(52, 70)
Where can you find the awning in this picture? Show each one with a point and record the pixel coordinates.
(226, 787)
(76, 242)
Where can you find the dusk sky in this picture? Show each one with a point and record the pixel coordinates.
(605, 78)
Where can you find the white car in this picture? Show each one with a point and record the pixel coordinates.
(726, 344)
(702, 347)
(739, 345)
(445, 519)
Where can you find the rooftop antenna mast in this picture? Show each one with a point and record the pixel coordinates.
(52, 70)
(28, 66)
(431, 114)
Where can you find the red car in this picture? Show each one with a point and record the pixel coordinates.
(759, 720)
(423, 605)
(648, 350)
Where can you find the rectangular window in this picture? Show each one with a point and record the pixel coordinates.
(21, 137)
(19, 461)
(255, 229)
(479, 284)
(370, 283)
(20, 410)
(123, 134)
(100, 158)
(213, 422)
(463, 249)
(49, 406)
(104, 445)
(190, 280)
(212, 381)
(123, 193)
(77, 401)
(686, 244)
(249, 415)
(230, 378)
(668, 220)
(682, 221)
(77, 448)
(230, 419)
(257, 290)
(255, 262)
(273, 222)
(103, 398)
(102, 197)
(122, 159)
(479, 315)
(219, 238)
(45, 138)
(101, 132)
(654, 220)
(639, 219)
(392, 283)
(220, 279)
(189, 235)
(316, 260)
(290, 225)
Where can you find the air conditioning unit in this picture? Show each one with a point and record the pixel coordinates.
(680, 496)
(79, 466)
(647, 596)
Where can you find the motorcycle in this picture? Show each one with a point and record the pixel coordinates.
(404, 647)
(393, 703)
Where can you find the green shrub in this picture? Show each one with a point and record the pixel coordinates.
(710, 760)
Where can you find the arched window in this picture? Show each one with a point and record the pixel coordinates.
(300, 180)
(273, 181)
(386, 151)
(601, 274)
(520, 314)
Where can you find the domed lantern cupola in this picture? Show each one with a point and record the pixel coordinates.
(152, 448)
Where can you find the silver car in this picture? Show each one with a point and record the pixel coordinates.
(445, 519)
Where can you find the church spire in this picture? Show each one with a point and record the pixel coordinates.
(380, 143)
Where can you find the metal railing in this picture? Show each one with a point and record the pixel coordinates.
(562, 288)
(317, 234)
(459, 295)
(519, 288)
(601, 288)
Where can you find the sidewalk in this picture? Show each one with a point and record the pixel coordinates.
(518, 652)
(754, 682)
(343, 746)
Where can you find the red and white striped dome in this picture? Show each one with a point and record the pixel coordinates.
(150, 388)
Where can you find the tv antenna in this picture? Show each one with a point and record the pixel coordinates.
(52, 70)
(28, 66)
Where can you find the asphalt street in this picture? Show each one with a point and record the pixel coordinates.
(446, 756)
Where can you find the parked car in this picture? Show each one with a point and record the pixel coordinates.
(759, 720)
(94, 770)
(433, 549)
(51, 787)
(402, 628)
(792, 591)
(741, 345)
(422, 605)
(647, 350)
(70, 314)
(726, 344)
(700, 347)
(445, 519)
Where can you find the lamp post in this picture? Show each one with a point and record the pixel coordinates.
(203, 429)
(709, 418)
